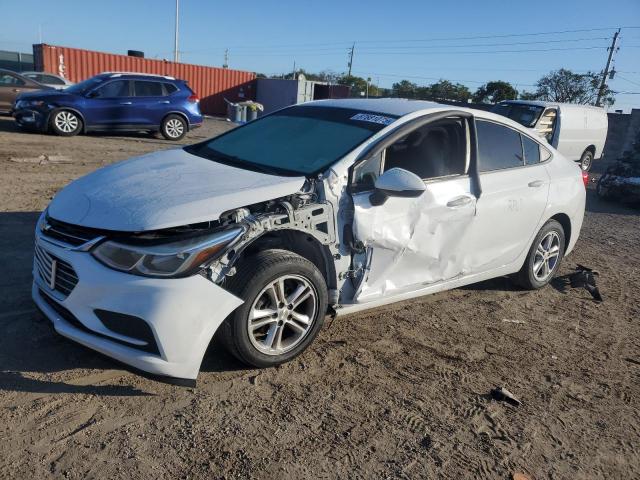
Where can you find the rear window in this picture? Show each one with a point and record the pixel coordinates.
(145, 88)
(522, 113)
(170, 88)
(499, 147)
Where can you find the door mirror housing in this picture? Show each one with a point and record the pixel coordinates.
(396, 182)
(92, 94)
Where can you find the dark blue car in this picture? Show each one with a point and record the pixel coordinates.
(113, 102)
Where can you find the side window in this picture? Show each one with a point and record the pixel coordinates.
(6, 79)
(118, 88)
(531, 151)
(50, 79)
(148, 89)
(170, 88)
(436, 150)
(366, 173)
(499, 147)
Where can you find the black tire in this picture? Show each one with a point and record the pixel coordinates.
(586, 160)
(65, 123)
(174, 127)
(526, 277)
(254, 274)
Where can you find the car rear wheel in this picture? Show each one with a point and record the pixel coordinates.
(586, 160)
(285, 302)
(544, 257)
(65, 123)
(174, 127)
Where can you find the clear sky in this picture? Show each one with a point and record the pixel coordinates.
(469, 41)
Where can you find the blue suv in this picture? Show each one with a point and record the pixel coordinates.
(113, 102)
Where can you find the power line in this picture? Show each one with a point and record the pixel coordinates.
(627, 80)
(418, 77)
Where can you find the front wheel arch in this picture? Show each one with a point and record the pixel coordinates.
(71, 109)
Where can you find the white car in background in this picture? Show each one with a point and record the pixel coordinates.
(578, 132)
(49, 79)
(330, 207)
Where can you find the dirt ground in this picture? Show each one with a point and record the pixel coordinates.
(398, 392)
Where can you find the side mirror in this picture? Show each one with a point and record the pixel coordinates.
(396, 182)
(92, 94)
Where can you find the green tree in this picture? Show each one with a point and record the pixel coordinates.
(494, 92)
(358, 85)
(445, 90)
(404, 89)
(565, 86)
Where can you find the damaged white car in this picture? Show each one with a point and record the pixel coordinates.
(324, 208)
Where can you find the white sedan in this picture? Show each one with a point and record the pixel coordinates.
(323, 208)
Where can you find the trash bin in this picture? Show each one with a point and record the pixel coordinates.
(252, 114)
(236, 112)
(252, 109)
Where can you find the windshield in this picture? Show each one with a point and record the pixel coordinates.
(87, 84)
(522, 113)
(300, 140)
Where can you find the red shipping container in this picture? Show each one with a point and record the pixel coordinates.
(212, 84)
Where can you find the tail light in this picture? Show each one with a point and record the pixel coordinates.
(585, 178)
(193, 98)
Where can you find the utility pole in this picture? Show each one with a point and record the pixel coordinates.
(293, 75)
(175, 46)
(605, 74)
(351, 58)
(226, 58)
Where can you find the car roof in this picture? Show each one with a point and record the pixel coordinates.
(401, 106)
(136, 75)
(542, 103)
(390, 106)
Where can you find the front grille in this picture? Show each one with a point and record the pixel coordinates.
(57, 274)
(67, 233)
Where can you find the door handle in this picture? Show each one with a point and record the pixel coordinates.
(16, 89)
(459, 201)
(125, 103)
(536, 183)
(163, 101)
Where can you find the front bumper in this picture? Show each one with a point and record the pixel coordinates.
(183, 314)
(30, 118)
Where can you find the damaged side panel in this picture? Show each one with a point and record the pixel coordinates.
(411, 242)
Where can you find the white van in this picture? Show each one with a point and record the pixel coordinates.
(577, 131)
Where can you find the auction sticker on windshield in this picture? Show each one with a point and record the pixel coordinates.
(367, 117)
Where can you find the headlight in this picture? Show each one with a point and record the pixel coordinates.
(29, 103)
(167, 259)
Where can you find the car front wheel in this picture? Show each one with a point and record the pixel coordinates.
(65, 123)
(544, 257)
(285, 302)
(173, 127)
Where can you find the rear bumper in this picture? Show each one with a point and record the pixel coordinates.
(183, 314)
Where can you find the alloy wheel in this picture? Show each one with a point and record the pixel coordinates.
(282, 314)
(66, 122)
(546, 257)
(174, 128)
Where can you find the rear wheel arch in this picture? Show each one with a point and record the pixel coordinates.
(180, 114)
(564, 220)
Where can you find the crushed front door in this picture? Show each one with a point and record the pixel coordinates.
(413, 242)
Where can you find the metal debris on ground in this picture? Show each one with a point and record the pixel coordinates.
(585, 277)
(501, 394)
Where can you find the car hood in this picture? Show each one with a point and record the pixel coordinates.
(164, 189)
(42, 93)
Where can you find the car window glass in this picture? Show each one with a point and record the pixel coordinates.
(531, 151)
(6, 79)
(118, 88)
(436, 150)
(50, 79)
(148, 89)
(499, 147)
(366, 173)
(544, 154)
(170, 88)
